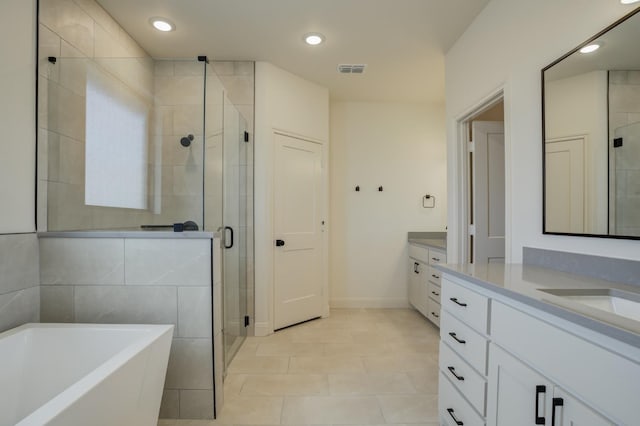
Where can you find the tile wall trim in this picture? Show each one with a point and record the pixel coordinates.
(187, 235)
(606, 268)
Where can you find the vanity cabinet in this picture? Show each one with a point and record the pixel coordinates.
(424, 280)
(503, 362)
(463, 355)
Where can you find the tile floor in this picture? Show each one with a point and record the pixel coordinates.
(357, 367)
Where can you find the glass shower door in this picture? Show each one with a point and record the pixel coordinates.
(234, 213)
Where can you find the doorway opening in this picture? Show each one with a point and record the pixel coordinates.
(483, 184)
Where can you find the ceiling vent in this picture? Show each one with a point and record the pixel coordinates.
(351, 68)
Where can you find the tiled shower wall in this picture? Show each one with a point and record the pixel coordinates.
(19, 280)
(624, 193)
(142, 280)
(78, 33)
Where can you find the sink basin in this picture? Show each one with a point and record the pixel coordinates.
(618, 302)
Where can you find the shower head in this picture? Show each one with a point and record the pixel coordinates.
(186, 140)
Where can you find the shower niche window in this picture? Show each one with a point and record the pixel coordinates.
(117, 138)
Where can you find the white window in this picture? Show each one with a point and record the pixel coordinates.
(116, 144)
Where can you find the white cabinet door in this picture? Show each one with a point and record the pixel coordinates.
(568, 411)
(418, 286)
(517, 395)
(414, 283)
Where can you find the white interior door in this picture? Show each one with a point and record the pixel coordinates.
(297, 231)
(488, 191)
(565, 185)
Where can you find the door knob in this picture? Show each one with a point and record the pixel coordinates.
(279, 243)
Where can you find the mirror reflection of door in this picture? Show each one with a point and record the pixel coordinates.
(564, 185)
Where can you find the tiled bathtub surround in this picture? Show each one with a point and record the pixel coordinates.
(140, 280)
(19, 280)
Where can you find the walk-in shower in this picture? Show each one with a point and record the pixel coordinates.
(149, 144)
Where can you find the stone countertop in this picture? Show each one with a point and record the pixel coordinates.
(524, 283)
(437, 240)
(438, 243)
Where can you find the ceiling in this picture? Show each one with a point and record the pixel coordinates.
(402, 41)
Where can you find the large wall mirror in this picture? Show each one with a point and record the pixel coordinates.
(591, 128)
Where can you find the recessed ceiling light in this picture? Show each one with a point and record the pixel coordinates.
(590, 48)
(313, 39)
(162, 24)
(628, 1)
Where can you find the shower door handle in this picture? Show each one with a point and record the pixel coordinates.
(230, 229)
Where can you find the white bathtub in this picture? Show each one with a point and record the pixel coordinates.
(83, 374)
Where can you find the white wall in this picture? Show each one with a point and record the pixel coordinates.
(19, 272)
(286, 103)
(402, 148)
(505, 48)
(17, 115)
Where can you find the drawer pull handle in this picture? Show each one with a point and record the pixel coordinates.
(453, 371)
(455, 337)
(415, 267)
(435, 259)
(435, 293)
(540, 389)
(437, 277)
(458, 422)
(455, 300)
(435, 315)
(555, 402)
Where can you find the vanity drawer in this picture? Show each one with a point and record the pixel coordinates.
(433, 311)
(435, 276)
(434, 291)
(437, 257)
(471, 307)
(471, 384)
(467, 343)
(419, 253)
(452, 407)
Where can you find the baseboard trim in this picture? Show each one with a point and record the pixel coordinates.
(373, 303)
(262, 329)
